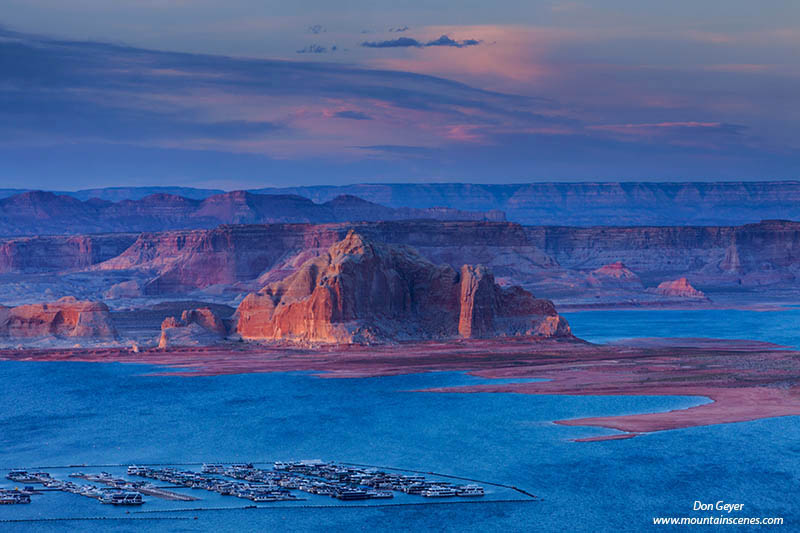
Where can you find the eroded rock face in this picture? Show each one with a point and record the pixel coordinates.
(195, 327)
(66, 317)
(364, 291)
(680, 288)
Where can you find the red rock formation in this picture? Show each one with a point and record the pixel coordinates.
(195, 327)
(478, 302)
(206, 318)
(66, 317)
(680, 288)
(362, 291)
(616, 274)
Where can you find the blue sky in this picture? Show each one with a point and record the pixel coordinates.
(253, 93)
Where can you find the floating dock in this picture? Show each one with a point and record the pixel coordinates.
(145, 488)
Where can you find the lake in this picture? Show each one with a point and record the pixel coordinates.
(74, 413)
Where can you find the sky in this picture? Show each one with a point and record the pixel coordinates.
(255, 93)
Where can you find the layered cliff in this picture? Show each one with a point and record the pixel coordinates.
(66, 317)
(57, 253)
(749, 255)
(550, 259)
(364, 291)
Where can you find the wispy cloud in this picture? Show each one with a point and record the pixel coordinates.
(670, 127)
(714, 136)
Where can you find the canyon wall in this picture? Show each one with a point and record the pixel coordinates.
(246, 257)
(753, 254)
(58, 253)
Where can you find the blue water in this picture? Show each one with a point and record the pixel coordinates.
(66, 413)
(780, 327)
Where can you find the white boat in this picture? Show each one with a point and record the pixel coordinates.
(437, 491)
(123, 498)
(380, 494)
(469, 490)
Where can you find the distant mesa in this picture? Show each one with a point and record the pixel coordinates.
(67, 317)
(195, 327)
(540, 203)
(39, 212)
(680, 288)
(362, 291)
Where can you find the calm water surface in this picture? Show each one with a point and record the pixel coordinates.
(68, 413)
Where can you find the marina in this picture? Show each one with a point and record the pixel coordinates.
(280, 483)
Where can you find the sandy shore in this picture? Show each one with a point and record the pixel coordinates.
(745, 380)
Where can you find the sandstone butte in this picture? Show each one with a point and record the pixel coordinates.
(362, 291)
(67, 317)
(615, 273)
(680, 288)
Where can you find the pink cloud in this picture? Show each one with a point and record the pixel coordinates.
(464, 133)
(510, 58)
